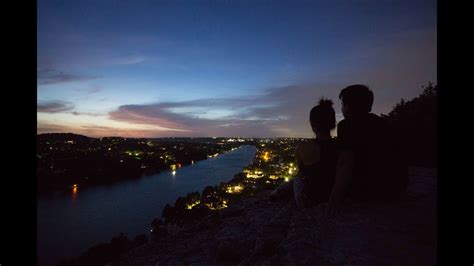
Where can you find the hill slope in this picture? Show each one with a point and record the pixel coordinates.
(256, 232)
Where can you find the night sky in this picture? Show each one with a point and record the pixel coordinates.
(223, 68)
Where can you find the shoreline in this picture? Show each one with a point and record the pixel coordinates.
(222, 167)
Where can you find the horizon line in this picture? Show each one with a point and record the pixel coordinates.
(174, 137)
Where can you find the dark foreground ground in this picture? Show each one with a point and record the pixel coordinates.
(256, 232)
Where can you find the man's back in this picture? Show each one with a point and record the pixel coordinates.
(378, 172)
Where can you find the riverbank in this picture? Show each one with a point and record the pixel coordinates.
(69, 224)
(66, 161)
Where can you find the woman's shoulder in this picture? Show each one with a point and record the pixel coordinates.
(307, 145)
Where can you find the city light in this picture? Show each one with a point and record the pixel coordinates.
(268, 164)
(234, 189)
(256, 174)
(74, 191)
(190, 206)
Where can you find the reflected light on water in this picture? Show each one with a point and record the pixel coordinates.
(74, 191)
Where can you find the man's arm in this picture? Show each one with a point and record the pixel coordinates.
(343, 178)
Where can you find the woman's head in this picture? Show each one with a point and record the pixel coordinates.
(322, 117)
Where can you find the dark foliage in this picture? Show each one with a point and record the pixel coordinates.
(415, 123)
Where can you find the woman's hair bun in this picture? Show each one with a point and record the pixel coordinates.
(325, 103)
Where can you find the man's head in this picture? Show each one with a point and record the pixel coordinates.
(356, 99)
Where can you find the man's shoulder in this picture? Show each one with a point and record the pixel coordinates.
(360, 119)
(343, 124)
(372, 121)
(361, 125)
(353, 123)
(375, 117)
(379, 121)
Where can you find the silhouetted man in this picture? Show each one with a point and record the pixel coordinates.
(370, 165)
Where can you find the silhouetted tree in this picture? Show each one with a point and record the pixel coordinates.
(120, 243)
(180, 204)
(240, 177)
(103, 253)
(159, 228)
(140, 240)
(168, 212)
(156, 223)
(208, 191)
(415, 123)
(192, 197)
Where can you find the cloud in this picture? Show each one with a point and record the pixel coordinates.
(87, 113)
(50, 128)
(93, 90)
(128, 60)
(54, 107)
(92, 130)
(394, 67)
(47, 76)
(281, 111)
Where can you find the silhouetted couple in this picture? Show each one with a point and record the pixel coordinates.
(363, 164)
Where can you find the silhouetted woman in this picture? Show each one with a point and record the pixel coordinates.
(316, 159)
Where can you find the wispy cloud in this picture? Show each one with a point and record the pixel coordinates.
(87, 113)
(51, 128)
(47, 76)
(94, 89)
(54, 107)
(127, 60)
(279, 111)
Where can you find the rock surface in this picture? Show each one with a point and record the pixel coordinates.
(256, 232)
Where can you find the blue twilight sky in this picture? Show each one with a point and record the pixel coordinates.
(223, 68)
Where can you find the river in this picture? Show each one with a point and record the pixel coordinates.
(69, 223)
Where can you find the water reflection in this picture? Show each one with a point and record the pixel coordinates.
(95, 217)
(74, 191)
